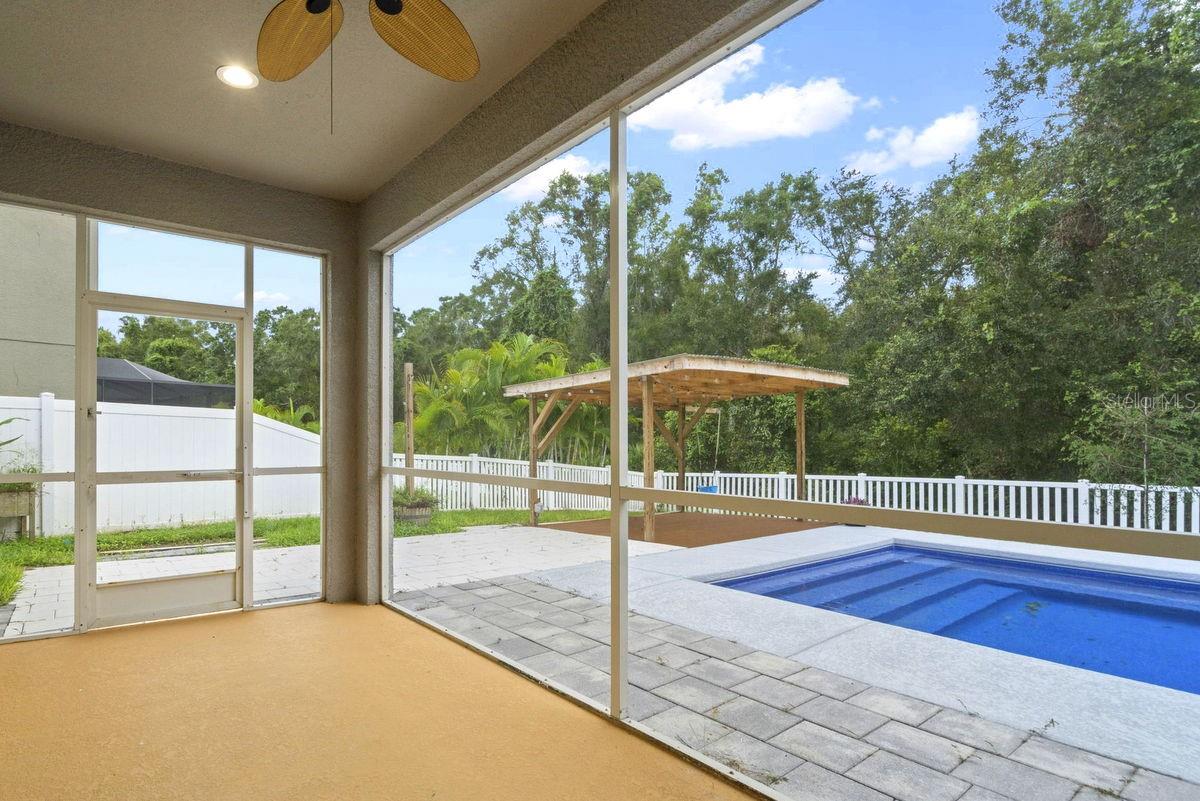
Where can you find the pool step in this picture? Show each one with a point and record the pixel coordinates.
(935, 613)
(875, 602)
(837, 587)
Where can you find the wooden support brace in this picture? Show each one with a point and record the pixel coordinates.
(556, 429)
(536, 424)
(667, 433)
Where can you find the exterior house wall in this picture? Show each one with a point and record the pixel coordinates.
(37, 319)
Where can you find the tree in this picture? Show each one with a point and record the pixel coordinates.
(545, 310)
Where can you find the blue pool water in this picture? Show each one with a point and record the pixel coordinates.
(1138, 627)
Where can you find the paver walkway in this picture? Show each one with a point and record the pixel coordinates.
(46, 601)
(804, 732)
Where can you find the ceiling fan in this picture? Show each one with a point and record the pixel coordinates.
(426, 32)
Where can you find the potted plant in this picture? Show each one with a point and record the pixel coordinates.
(415, 506)
(18, 499)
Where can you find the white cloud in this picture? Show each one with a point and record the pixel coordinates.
(700, 116)
(938, 142)
(536, 183)
(872, 104)
(263, 298)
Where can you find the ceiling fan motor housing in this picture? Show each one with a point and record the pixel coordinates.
(317, 6)
(391, 7)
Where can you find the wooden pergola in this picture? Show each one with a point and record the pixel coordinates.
(686, 384)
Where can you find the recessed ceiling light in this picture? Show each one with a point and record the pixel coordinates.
(237, 77)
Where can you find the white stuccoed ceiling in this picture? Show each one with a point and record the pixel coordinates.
(140, 75)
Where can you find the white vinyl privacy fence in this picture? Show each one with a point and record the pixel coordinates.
(137, 437)
(133, 437)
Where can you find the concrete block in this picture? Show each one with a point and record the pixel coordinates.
(975, 731)
(1014, 779)
(752, 757)
(692, 729)
(894, 705)
(827, 748)
(906, 780)
(923, 747)
(811, 782)
(716, 671)
(1079, 766)
(754, 718)
(840, 716)
(694, 694)
(775, 692)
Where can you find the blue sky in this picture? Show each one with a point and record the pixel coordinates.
(138, 261)
(895, 89)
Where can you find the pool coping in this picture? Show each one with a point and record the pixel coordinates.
(1110, 715)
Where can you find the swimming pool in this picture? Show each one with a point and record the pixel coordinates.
(1138, 627)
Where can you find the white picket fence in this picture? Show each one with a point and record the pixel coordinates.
(136, 437)
(1169, 509)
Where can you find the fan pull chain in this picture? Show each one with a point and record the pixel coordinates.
(331, 69)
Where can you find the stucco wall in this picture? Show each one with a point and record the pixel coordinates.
(37, 314)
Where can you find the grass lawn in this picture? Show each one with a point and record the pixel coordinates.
(16, 555)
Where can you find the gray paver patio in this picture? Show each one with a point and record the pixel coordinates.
(46, 601)
(806, 733)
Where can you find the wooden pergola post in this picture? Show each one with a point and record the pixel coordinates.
(409, 440)
(801, 492)
(648, 454)
(681, 450)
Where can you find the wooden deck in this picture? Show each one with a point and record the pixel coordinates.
(694, 529)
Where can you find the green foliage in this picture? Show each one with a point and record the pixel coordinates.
(287, 353)
(7, 422)
(1145, 441)
(303, 416)
(545, 310)
(10, 581)
(416, 498)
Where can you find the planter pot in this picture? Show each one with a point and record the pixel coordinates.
(418, 515)
(20, 505)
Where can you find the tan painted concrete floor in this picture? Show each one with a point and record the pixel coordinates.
(317, 701)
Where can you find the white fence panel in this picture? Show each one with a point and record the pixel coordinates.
(137, 437)
(132, 437)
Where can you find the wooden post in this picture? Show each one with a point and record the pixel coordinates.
(648, 454)
(409, 414)
(533, 459)
(681, 433)
(800, 447)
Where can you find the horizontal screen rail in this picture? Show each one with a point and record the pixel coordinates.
(289, 471)
(1069, 535)
(166, 476)
(545, 485)
(35, 478)
(139, 304)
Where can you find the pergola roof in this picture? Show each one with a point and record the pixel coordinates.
(687, 379)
